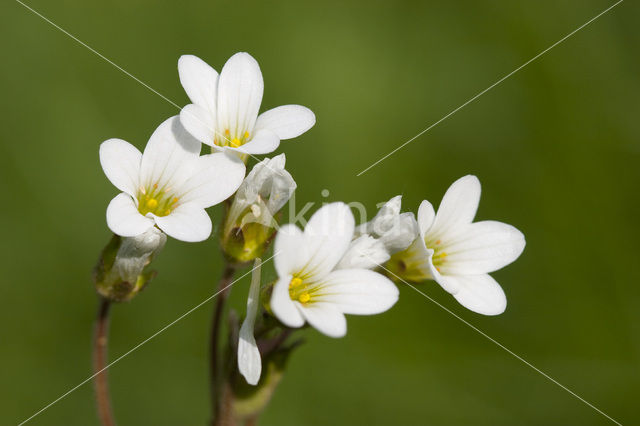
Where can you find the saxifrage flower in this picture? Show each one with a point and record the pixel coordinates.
(169, 185)
(310, 288)
(224, 108)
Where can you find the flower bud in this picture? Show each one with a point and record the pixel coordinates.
(394, 229)
(120, 272)
(250, 223)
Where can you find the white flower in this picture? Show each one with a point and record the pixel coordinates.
(394, 229)
(249, 361)
(265, 190)
(459, 254)
(224, 109)
(169, 185)
(310, 288)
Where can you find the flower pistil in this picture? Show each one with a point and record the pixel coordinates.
(160, 202)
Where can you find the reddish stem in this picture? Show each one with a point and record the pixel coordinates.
(100, 362)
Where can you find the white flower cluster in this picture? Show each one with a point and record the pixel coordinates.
(326, 270)
(170, 184)
(329, 269)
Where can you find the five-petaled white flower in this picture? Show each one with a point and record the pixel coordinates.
(311, 288)
(224, 108)
(459, 254)
(169, 185)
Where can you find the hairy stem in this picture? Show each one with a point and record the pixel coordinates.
(215, 356)
(99, 364)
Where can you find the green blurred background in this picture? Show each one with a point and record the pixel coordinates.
(556, 147)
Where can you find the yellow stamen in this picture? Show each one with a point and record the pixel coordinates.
(155, 186)
(438, 242)
(235, 142)
(295, 282)
(304, 297)
(226, 132)
(246, 135)
(152, 203)
(175, 199)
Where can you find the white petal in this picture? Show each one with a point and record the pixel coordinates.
(121, 163)
(249, 362)
(290, 253)
(426, 214)
(327, 238)
(364, 252)
(240, 88)
(445, 281)
(325, 318)
(169, 156)
(199, 122)
(199, 81)
(215, 178)
(395, 230)
(481, 294)
(483, 247)
(263, 142)
(458, 206)
(124, 219)
(282, 306)
(384, 220)
(358, 291)
(187, 222)
(287, 121)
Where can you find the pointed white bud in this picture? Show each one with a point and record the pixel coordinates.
(251, 222)
(267, 183)
(135, 253)
(249, 361)
(394, 229)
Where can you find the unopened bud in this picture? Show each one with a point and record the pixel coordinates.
(250, 223)
(121, 272)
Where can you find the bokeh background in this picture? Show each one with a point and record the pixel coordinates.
(556, 147)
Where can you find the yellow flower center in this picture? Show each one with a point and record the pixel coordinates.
(158, 201)
(228, 140)
(299, 291)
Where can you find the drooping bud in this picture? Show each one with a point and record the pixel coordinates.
(250, 223)
(394, 229)
(121, 272)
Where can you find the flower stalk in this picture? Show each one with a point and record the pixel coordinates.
(215, 361)
(100, 355)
